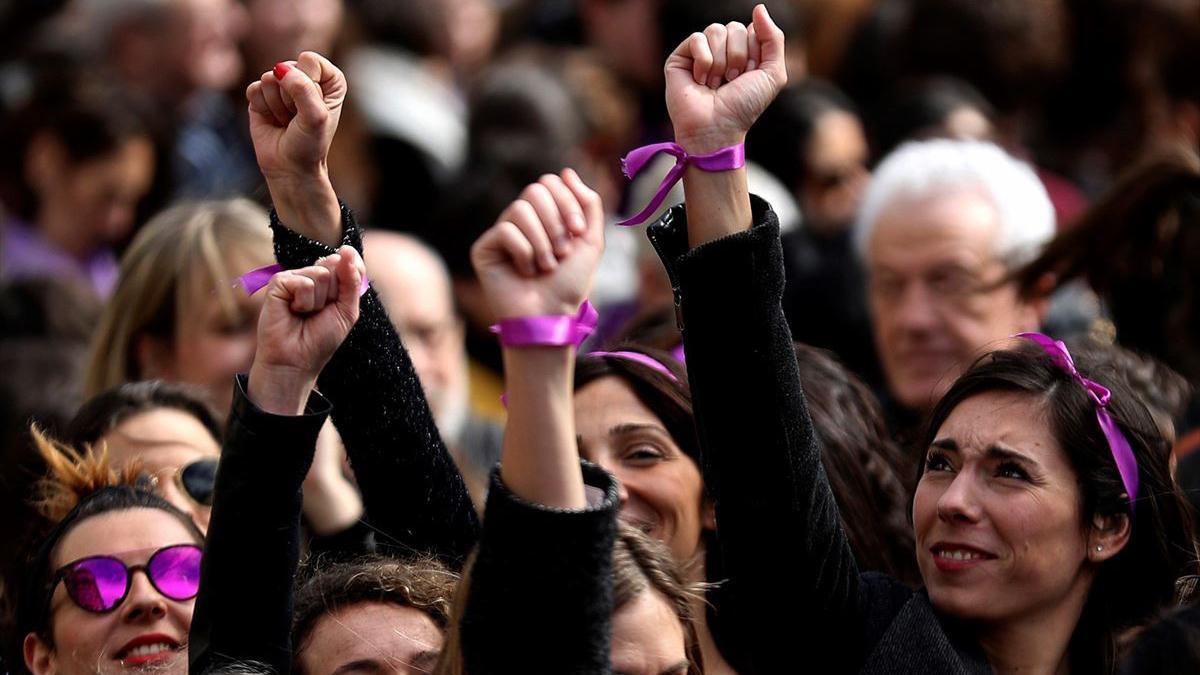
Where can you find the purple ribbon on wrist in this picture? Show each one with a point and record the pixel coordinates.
(548, 331)
(725, 159)
(1119, 445)
(257, 279)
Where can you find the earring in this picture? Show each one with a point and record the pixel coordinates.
(1099, 548)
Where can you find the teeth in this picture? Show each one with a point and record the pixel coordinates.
(147, 650)
(959, 555)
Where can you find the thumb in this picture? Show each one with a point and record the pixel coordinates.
(328, 77)
(771, 40)
(311, 112)
(350, 273)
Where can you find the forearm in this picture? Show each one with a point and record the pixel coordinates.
(718, 202)
(540, 461)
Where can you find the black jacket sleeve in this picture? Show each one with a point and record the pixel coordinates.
(793, 582)
(415, 498)
(540, 598)
(244, 611)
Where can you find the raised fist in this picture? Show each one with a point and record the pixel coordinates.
(294, 112)
(719, 81)
(541, 255)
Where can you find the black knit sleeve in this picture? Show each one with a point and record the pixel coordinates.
(792, 579)
(415, 498)
(540, 598)
(244, 611)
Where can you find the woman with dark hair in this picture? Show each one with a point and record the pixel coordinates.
(1045, 518)
(79, 160)
(110, 587)
(167, 429)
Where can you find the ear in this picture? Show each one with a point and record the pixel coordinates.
(1108, 536)
(155, 358)
(708, 514)
(44, 162)
(39, 656)
(1037, 304)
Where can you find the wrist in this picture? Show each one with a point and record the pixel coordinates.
(307, 203)
(566, 328)
(278, 389)
(710, 141)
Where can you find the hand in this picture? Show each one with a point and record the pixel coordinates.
(306, 315)
(721, 80)
(542, 253)
(294, 113)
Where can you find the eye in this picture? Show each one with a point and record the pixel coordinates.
(937, 461)
(1012, 470)
(644, 453)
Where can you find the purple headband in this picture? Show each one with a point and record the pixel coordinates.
(638, 357)
(1121, 451)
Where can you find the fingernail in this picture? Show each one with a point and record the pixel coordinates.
(577, 222)
(549, 261)
(732, 74)
(714, 81)
(563, 245)
(281, 69)
(751, 65)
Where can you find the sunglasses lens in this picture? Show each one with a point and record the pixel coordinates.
(176, 571)
(97, 584)
(198, 479)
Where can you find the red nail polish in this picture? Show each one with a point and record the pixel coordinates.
(281, 69)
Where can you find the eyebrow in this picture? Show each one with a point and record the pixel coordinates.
(426, 660)
(682, 665)
(369, 665)
(994, 451)
(633, 427)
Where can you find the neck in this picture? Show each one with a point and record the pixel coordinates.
(59, 229)
(714, 662)
(1035, 644)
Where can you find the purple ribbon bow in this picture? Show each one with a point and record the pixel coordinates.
(725, 159)
(1100, 395)
(257, 279)
(549, 331)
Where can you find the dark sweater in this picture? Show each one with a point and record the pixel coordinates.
(541, 597)
(795, 598)
(414, 497)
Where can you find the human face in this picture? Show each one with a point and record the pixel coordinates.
(999, 492)
(211, 346)
(647, 638)
(836, 172)
(209, 37)
(95, 200)
(373, 637)
(935, 296)
(164, 440)
(281, 29)
(661, 490)
(85, 642)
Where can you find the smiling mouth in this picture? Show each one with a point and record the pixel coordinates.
(151, 652)
(959, 555)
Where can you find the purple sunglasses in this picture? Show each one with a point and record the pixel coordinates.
(100, 583)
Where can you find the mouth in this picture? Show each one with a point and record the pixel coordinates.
(951, 556)
(147, 649)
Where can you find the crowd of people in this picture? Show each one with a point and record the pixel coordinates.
(644, 337)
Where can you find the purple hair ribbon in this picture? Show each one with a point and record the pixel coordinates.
(257, 279)
(725, 159)
(638, 357)
(1121, 451)
(548, 331)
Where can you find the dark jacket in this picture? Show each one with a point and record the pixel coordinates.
(414, 497)
(541, 598)
(796, 600)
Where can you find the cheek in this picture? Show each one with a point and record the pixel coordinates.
(79, 636)
(924, 509)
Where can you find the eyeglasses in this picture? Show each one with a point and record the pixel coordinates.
(195, 480)
(100, 583)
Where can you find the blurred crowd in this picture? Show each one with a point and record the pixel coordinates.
(944, 173)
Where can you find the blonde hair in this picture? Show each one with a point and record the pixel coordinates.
(181, 251)
(73, 474)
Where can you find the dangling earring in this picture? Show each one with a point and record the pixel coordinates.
(1099, 549)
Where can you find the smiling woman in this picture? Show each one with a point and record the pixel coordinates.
(111, 586)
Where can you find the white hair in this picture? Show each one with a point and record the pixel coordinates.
(920, 169)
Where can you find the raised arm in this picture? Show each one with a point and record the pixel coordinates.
(416, 500)
(544, 561)
(781, 541)
(243, 617)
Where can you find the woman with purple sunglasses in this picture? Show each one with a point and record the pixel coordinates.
(110, 589)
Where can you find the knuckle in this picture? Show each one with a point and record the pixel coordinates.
(714, 30)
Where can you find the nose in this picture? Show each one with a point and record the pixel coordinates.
(144, 604)
(915, 310)
(959, 503)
